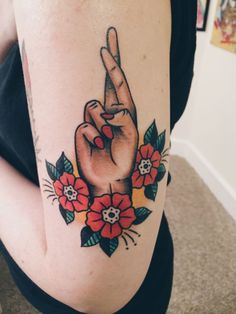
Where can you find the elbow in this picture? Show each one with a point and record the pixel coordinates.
(95, 295)
(104, 306)
(102, 301)
(93, 286)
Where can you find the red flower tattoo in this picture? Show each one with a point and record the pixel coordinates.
(72, 192)
(146, 166)
(110, 214)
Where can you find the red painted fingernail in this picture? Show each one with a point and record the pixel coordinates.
(98, 141)
(107, 130)
(107, 115)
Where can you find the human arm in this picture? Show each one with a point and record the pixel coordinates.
(65, 72)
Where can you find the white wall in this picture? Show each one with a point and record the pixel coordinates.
(206, 135)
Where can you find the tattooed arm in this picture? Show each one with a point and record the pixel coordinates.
(102, 163)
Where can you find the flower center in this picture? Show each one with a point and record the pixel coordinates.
(111, 215)
(70, 193)
(145, 166)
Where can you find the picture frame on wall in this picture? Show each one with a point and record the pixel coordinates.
(202, 14)
(224, 30)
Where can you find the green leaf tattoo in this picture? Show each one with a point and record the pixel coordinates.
(161, 172)
(151, 134)
(160, 143)
(109, 245)
(63, 164)
(141, 214)
(150, 191)
(53, 172)
(67, 215)
(88, 237)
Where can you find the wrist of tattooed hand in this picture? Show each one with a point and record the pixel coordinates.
(123, 186)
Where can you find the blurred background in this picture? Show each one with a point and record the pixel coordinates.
(204, 198)
(205, 135)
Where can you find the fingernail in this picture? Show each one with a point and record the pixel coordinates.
(107, 116)
(107, 130)
(98, 141)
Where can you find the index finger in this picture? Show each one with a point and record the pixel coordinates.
(119, 81)
(112, 44)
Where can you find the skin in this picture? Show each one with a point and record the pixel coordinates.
(62, 44)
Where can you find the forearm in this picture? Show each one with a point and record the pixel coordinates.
(66, 71)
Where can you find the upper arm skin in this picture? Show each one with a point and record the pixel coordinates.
(64, 69)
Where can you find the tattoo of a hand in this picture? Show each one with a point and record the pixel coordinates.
(110, 163)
